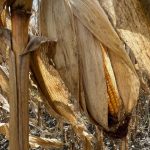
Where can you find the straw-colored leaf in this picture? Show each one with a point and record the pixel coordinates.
(92, 16)
(134, 31)
(60, 25)
(44, 142)
(4, 129)
(51, 84)
(92, 75)
(4, 103)
(4, 82)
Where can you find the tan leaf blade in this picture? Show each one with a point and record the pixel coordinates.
(44, 142)
(4, 129)
(4, 82)
(60, 25)
(4, 103)
(51, 84)
(92, 75)
(94, 18)
(134, 31)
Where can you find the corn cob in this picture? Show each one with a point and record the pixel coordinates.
(113, 95)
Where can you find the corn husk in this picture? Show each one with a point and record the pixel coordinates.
(80, 27)
(92, 74)
(132, 25)
(61, 28)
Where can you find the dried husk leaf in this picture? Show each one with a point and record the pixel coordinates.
(94, 18)
(60, 25)
(92, 73)
(133, 27)
(2, 18)
(51, 84)
(4, 82)
(44, 142)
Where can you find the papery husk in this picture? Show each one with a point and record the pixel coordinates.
(92, 16)
(92, 76)
(79, 28)
(51, 84)
(55, 91)
(60, 87)
(59, 25)
(131, 23)
(4, 88)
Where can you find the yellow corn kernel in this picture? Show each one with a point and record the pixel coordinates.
(113, 100)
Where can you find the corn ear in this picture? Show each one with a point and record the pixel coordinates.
(113, 94)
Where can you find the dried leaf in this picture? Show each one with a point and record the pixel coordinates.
(4, 129)
(45, 143)
(134, 31)
(94, 18)
(35, 42)
(60, 25)
(50, 82)
(92, 74)
(5, 104)
(4, 82)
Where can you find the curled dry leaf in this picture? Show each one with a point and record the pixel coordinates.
(45, 143)
(59, 25)
(135, 30)
(4, 103)
(92, 16)
(51, 84)
(4, 82)
(2, 13)
(4, 129)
